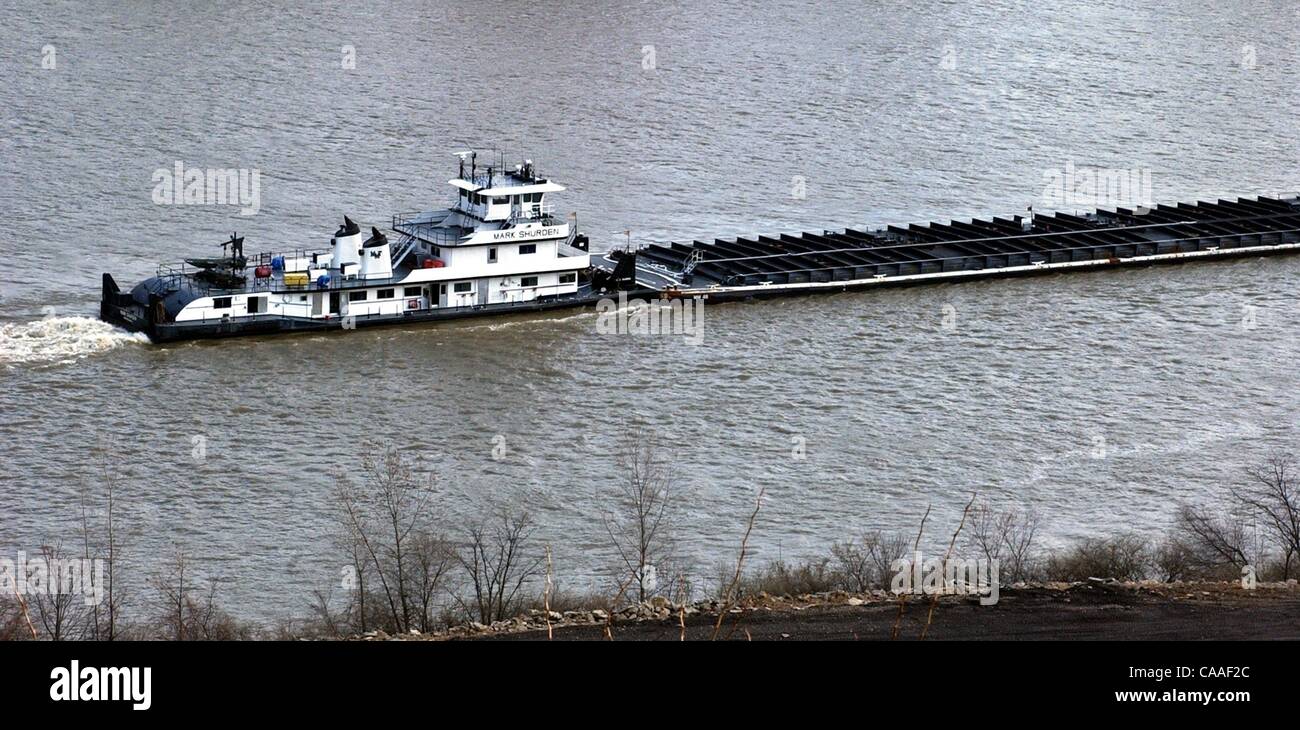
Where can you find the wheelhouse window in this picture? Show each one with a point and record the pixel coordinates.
(528, 281)
(221, 303)
(464, 287)
(412, 291)
(527, 248)
(500, 200)
(384, 294)
(357, 296)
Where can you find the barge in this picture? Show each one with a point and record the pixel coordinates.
(499, 248)
(759, 266)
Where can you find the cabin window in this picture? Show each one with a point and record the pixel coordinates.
(302, 297)
(437, 252)
(526, 248)
(357, 296)
(411, 291)
(464, 287)
(442, 289)
(568, 278)
(256, 305)
(221, 303)
(528, 281)
(384, 294)
(492, 255)
(501, 200)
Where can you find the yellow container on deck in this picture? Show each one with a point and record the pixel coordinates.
(296, 279)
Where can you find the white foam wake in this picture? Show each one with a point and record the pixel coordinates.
(61, 339)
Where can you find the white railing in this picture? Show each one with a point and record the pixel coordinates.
(532, 211)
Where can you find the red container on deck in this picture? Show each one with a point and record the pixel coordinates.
(262, 272)
(438, 264)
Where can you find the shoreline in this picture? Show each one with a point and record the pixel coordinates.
(1096, 609)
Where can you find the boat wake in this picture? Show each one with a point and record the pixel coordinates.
(61, 340)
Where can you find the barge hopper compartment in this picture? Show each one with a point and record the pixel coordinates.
(760, 266)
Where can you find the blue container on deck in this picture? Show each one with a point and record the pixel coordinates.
(323, 281)
(277, 263)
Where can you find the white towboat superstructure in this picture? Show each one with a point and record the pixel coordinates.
(498, 247)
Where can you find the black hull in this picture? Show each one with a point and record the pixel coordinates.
(132, 317)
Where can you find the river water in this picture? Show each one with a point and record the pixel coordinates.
(1102, 400)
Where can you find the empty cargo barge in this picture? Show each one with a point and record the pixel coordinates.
(757, 266)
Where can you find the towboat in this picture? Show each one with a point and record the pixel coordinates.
(498, 248)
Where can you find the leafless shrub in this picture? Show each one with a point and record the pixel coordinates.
(187, 610)
(60, 611)
(1208, 542)
(639, 528)
(173, 583)
(562, 599)
(397, 561)
(863, 564)
(1122, 557)
(497, 563)
(13, 627)
(1174, 560)
(1006, 536)
(779, 578)
(100, 541)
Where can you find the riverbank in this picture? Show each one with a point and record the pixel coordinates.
(1088, 610)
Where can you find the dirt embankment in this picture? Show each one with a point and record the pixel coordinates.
(1089, 610)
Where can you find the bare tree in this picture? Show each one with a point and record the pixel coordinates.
(640, 530)
(188, 609)
(433, 559)
(1208, 538)
(1273, 493)
(498, 565)
(59, 607)
(100, 541)
(1006, 536)
(173, 583)
(387, 520)
(863, 564)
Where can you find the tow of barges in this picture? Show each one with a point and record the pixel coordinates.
(500, 248)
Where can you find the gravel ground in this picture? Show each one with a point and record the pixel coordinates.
(1079, 611)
